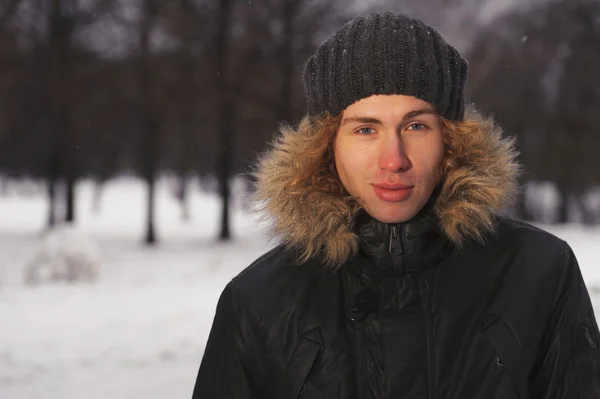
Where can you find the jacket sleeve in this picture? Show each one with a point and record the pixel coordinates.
(569, 366)
(230, 366)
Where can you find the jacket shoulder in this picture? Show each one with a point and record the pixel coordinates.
(519, 234)
(275, 281)
(530, 251)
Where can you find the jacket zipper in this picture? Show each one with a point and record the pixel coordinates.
(396, 249)
(424, 291)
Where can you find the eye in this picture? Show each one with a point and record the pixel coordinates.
(366, 130)
(417, 126)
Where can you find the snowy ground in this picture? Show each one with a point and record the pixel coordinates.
(139, 331)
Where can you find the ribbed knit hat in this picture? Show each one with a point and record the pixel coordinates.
(385, 54)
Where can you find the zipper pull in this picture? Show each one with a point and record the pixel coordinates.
(395, 243)
(589, 338)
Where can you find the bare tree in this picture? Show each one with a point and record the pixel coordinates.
(148, 114)
(190, 22)
(542, 86)
(286, 58)
(186, 66)
(88, 107)
(57, 99)
(226, 111)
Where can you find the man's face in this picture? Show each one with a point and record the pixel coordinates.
(388, 151)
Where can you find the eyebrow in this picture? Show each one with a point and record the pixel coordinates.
(375, 121)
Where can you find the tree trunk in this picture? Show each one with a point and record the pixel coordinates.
(70, 198)
(54, 101)
(226, 109)
(149, 168)
(188, 86)
(150, 238)
(150, 155)
(61, 28)
(224, 172)
(51, 202)
(150, 127)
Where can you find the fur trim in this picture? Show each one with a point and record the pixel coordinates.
(480, 178)
(317, 219)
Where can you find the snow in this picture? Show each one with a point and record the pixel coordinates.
(138, 331)
(65, 254)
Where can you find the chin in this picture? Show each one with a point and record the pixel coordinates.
(392, 215)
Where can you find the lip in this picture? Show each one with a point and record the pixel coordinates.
(392, 192)
(393, 186)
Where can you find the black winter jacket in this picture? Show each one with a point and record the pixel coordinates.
(411, 316)
(457, 303)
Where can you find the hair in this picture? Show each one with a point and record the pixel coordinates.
(317, 165)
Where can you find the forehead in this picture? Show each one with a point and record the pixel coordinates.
(386, 107)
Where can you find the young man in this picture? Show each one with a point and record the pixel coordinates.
(397, 277)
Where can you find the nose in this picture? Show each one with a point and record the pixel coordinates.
(392, 155)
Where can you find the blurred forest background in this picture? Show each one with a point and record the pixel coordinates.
(95, 89)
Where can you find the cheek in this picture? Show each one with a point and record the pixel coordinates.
(342, 161)
(350, 163)
(429, 158)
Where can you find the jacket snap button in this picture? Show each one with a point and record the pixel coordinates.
(499, 361)
(356, 314)
(363, 304)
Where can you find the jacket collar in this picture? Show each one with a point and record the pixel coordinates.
(420, 242)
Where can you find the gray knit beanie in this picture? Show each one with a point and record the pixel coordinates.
(385, 54)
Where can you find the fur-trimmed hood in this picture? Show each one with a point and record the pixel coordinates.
(480, 181)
